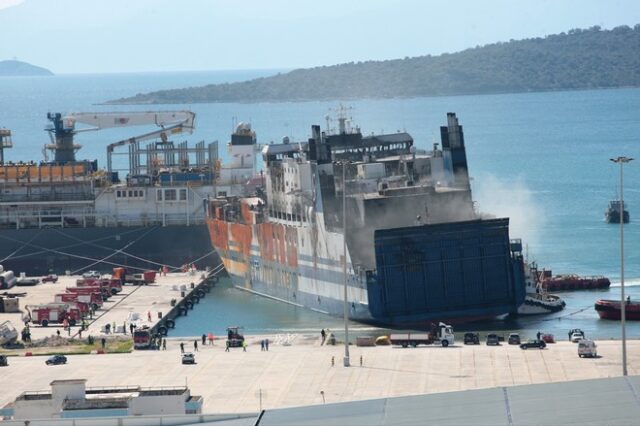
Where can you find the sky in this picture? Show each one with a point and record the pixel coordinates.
(107, 36)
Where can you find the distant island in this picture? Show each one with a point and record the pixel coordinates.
(579, 59)
(19, 68)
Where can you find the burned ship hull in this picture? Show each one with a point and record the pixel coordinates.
(415, 250)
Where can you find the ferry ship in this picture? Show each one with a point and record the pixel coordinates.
(371, 220)
(70, 215)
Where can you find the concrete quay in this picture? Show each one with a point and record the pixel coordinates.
(147, 301)
(299, 374)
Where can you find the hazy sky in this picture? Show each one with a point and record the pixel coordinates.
(83, 36)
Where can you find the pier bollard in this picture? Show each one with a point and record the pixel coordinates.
(193, 285)
(182, 294)
(333, 361)
(360, 360)
(159, 315)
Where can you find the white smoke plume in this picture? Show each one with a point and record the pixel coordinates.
(514, 200)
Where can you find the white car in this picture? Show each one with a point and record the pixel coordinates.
(91, 274)
(577, 336)
(587, 348)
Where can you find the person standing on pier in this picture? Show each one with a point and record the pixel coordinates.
(244, 346)
(323, 334)
(266, 344)
(164, 344)
(204, 339)
(182, 347)
(227, 349)
(262, 345)
(195, 345)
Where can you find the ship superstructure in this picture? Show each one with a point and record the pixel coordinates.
(416, 250)
(69, 214)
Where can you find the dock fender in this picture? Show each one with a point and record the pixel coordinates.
(201, 293)
(195, 298)
(171, 323)
(183, 310)
(163, 330)
(189, 304)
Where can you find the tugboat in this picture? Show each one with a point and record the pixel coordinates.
(537, 300)
(610, 309)
(612, 215)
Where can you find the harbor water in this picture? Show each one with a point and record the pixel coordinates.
(540, 158)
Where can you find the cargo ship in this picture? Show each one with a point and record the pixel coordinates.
(66, 214)
(369, 222)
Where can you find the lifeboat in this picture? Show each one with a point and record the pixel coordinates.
(610, 309)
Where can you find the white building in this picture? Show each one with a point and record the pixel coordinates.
(72, 399)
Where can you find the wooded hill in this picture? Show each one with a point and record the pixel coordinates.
(578, 59)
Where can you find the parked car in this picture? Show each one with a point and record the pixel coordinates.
(91, 274)
(471, 339)
(576, 336)
(573, 331)
(4, 362)
(493, 339)
(188, 358)
(56, 359)
(52, 278)
(587, 348)
(548, 338)
(534, 343)
(514, 339)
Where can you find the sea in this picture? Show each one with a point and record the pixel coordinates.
(542, 159)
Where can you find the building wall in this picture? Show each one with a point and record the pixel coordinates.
(104, 412)
(35, 409)
(157, 404)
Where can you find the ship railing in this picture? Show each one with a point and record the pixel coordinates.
(84, 220)
(23, 198)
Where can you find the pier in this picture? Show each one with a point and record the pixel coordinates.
(155, 305)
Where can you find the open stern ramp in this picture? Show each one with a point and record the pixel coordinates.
(455, 271)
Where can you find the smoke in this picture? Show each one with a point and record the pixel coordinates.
(514, 200)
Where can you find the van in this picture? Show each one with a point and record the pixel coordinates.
(587, 348)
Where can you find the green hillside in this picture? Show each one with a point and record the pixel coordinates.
(579, 59)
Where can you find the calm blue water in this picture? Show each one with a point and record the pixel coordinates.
(540, 158)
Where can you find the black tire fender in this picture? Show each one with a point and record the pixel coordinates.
(171, 323)
(163, 330)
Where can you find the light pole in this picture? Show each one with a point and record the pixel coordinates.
(344, 264)
(623, 308)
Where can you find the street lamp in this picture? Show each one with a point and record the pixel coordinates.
(344, 264)
(623, 308)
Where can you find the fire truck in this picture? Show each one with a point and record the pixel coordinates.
(52, 313)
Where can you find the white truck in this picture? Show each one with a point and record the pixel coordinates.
(440, 335)
(8, 333)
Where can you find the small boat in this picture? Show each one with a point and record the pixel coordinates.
(612, 215)
(610, 309)
(537, 300)
(573, 282)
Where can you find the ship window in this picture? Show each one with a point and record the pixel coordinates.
(183, 195)
(170, 194)
(159, 194)
(130, 193)
(118, 194)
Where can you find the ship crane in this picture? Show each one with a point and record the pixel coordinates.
(64, 129)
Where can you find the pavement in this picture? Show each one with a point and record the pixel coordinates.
(302, 373)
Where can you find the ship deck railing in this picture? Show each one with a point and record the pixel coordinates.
(90, 220)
